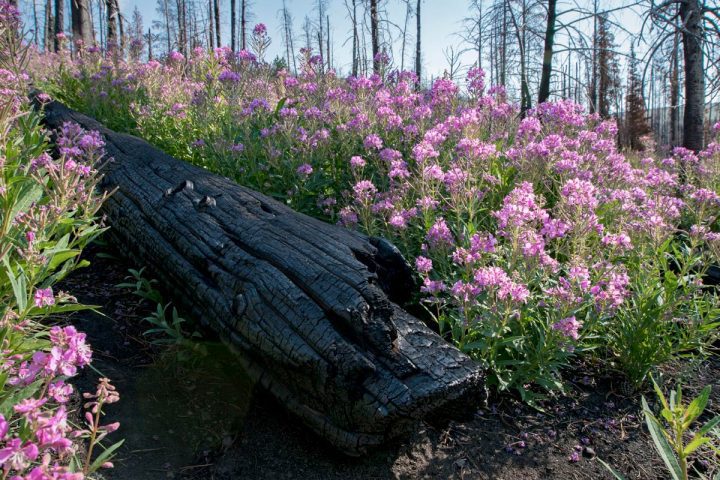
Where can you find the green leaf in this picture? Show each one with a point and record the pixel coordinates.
(709, 426)
(18, 283)
(660, 394)
(661, 442)
(697, 406)
(7, 404)
(60, 257)
(612, 470)
(696, 443)
(105, 456)
(62, 308)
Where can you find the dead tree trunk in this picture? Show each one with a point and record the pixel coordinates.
(375, 35)
(48, 30)
(112, 23)
(692, 38)
(81, 22)
(355, 46)
(418, 50)
(218, 39)
(233, 26)
(59, 23)
(305, 303)
(544, 92)
(243, 21)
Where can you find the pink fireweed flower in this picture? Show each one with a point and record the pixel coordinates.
(44, 296)
(228, 76)
(389, 155)
(16, 456)
(305, 169)
(4, 426)
(483, 243)
(397, 220)
(476, 80)
(580, 193)
(569, 327)
(364, 190)
(581, 275)
(260, 29)
(705, 196)
(554, 228)
(427, 203)
(348, 217)
(463, 256)
(423, 264)
(432, 286)
(455, 179)
(52, 430)
(439, 235)
(30, 406)
(373, 141)
(60, 391)
(620, 240)
(520, 207)
(175, 56)
(495, 278)
(433, 172)
(465, 292)
(424, 150)
(529, 128)
(357, 162)
(398, 169)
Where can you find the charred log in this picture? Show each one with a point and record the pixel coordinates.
(308, 305)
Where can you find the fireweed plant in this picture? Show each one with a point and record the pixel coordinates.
(48, 210)
(536, 240)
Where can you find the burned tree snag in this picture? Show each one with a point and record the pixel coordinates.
(308, 305)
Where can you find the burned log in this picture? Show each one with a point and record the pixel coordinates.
(308, 305)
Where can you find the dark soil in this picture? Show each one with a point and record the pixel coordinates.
(202, 419)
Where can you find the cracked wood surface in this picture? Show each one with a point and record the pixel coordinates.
(307, 305)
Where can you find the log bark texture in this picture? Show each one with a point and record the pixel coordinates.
(308, 305)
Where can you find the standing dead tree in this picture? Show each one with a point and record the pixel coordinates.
(544, 91)
(81, 22)
(113, 19)
(418, 37)
(375, 35)
(696, 23)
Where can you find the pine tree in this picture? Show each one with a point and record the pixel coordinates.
(636, 125)
(608, 68)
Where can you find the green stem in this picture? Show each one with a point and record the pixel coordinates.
(93, 436)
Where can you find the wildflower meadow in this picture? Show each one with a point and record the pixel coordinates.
(541, 245)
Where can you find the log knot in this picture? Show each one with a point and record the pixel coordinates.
(205, 202)
(185, 184)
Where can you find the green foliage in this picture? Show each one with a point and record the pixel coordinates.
(672, 431)
(167, 325)
(669, 312)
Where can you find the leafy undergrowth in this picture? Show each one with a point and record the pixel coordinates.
(47, 216)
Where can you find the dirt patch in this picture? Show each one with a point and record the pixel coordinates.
(205, 420)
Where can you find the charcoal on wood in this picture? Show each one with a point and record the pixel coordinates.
(308, 305)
